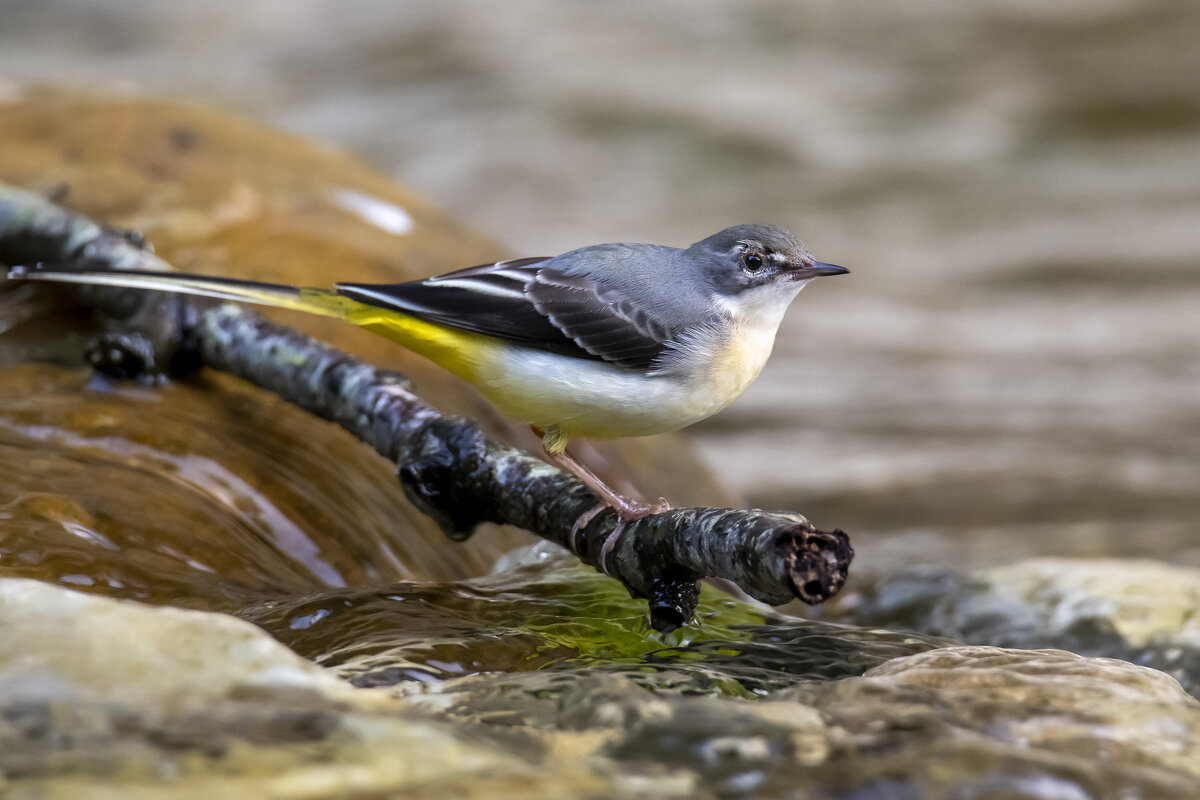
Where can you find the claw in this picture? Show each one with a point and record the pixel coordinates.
(584, 520)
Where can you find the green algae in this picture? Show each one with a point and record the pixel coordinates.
(542, 610)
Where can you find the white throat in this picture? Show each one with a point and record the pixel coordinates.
(762, 308)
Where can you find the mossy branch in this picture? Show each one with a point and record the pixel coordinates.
(448, 467)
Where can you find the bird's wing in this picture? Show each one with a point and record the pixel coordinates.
(527, 303)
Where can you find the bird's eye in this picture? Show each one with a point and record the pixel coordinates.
(753, 262)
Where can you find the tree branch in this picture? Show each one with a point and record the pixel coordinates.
(448, 467)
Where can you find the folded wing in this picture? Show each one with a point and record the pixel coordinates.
(528, 303)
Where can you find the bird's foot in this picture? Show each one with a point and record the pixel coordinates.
(628, 510)
(584, 520)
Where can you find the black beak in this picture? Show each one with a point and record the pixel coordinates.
(816, 269)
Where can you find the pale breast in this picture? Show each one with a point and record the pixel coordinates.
(735, 363)
(710, 367)
(733, 357)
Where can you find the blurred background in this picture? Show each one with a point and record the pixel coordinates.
(1011, 369)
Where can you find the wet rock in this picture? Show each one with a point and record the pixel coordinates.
(162, 702)
(953, 722)
(1139, 610)
(100, 696)
(989, 722)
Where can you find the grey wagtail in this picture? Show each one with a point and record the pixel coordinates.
(602, 342)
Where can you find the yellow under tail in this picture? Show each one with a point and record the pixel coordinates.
(457, 351)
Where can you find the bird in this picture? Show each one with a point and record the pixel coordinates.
(603, 342)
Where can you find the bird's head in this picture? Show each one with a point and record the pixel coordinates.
(745, 258)
(755, 271)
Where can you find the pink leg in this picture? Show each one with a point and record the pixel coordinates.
(627, 508)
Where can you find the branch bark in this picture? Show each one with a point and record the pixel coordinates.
(447, 466)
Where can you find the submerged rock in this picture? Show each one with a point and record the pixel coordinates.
(545, 611)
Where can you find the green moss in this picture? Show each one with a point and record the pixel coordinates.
(548, 612)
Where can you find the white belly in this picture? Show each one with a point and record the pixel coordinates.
(593, 399)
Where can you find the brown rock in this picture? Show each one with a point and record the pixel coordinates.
(207, 491)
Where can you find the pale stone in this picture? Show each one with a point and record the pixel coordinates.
(102, 698)
(1142, 599)
(120, 649)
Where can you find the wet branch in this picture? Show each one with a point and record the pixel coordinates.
(447, 466)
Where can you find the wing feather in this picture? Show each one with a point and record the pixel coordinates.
(526, 302)
(599, 319)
